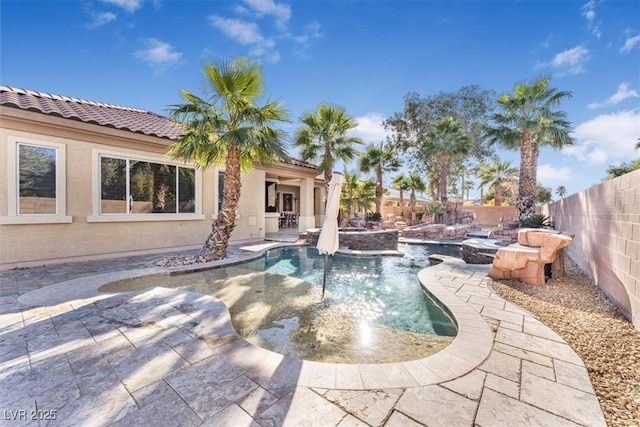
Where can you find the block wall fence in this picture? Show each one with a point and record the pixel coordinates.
(606, 221)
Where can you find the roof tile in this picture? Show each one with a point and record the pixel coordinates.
(123, 118)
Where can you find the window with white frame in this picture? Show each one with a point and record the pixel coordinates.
(133, 186)
(36, 181)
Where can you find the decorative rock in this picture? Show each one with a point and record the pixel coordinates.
(527, 263)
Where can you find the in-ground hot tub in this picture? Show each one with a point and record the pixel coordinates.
(360, 239)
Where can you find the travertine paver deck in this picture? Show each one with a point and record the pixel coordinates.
(170, 357)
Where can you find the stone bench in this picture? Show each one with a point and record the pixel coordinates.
(526, 260)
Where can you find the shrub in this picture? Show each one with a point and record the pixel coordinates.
(536, 221)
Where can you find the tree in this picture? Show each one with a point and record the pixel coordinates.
(526, 122)
(379, 159)
(356, 194)
(614, 171)
(543, 194)
(446, 141)
(400, 183)
(415, 183)
(324, 136)
(561, 191)
(470, 107)
(494, 175)
(229, 128)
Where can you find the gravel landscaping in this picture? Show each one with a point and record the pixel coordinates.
(607, 343)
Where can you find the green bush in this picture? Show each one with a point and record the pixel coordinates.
(536, 221)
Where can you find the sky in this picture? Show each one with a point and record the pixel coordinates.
(365, 56)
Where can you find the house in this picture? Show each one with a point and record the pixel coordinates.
(83, 180)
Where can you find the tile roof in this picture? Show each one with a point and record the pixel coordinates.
(114, 116)
(98, 113)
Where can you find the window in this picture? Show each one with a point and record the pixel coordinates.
(130, 186)
(36, 182)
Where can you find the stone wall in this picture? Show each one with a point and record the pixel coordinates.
(606, 222)
(374, 240)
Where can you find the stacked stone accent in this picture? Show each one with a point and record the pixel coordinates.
(438, 231)
(506, 231)
(374, 240)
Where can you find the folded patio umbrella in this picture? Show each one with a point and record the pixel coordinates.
(328, 240)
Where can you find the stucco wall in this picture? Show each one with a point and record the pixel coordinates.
(606, 221)
(84, 237)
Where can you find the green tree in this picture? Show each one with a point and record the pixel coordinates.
(494, 175)
(229, 128)
(544, 194)
(526, 122)
(444, 142)
(380, 160)
(415, 183)
(561, 191)
(324, 136)
(400, 183)
(614, 171)
(470, 107)
(356, 194)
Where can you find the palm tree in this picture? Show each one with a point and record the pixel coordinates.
(446, 141)
(229, 128)
(496, 174)
(527, 122)
(324, 137)
(379, 159)
(561, 191)
(415, 183)
(356, 194)
(400, 183)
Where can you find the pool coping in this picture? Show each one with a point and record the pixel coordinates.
(469, 349)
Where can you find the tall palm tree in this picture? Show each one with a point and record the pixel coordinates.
(356, 194)
(561, 191)
(379, 159)
(415, 183)
(446, 140)
(400, 183)
(229, 128)
(494, 175)
(324, 136)
(528, 121)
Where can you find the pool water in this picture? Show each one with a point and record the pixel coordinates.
(374, 309)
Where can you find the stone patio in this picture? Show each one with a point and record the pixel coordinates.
(169, 357)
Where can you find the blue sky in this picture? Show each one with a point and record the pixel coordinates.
(363, 55)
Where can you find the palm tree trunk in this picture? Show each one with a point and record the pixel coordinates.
(401, 203)
(526, 189)
(379, 191)
(497, 197)
(215, 247)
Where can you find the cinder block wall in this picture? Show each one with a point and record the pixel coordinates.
(606, 221)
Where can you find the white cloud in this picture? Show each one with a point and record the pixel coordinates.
(607, 138)
(589, 12)
(622, 94)
(100, 19)
(128, 5)
(570, 61)
(158, 53)
(247, 34)
(281, 12)
(370, 128)
(630, 43)
(551, 175)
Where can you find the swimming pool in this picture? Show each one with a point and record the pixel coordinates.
(374, 309)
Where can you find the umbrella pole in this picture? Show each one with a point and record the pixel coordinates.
(324, 276)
